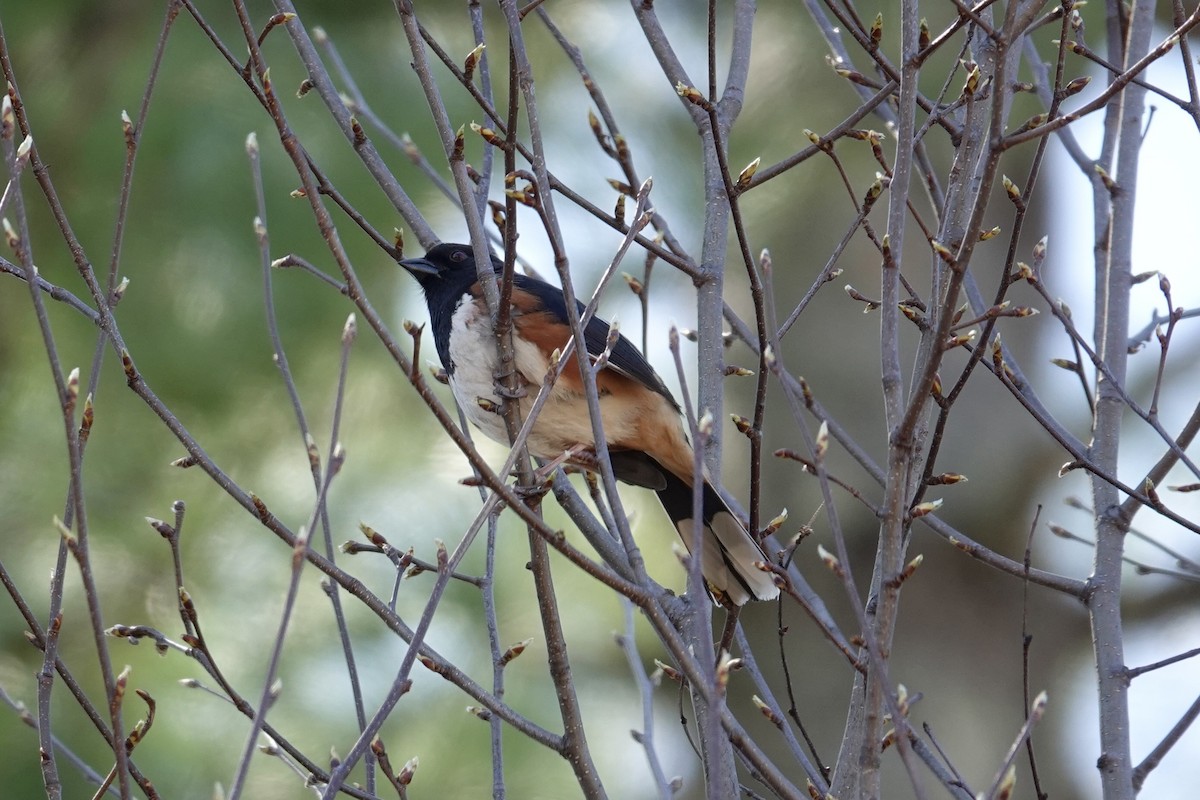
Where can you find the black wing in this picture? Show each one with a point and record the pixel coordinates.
(624, 358)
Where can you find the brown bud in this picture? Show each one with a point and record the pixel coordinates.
(877, 29)
(747, 173)
(512, 652)
(830, 561)
(1076, 86)
(472, 61)
(767, 711)
(928, 507)
(666, 669)
(692, 95)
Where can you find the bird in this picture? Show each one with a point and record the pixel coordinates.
(643, 429)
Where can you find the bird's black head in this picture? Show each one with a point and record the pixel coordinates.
(446, 273)
(444, 265)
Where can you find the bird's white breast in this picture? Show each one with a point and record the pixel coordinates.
(563, 421)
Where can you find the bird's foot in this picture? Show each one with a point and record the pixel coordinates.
(502, 390)
(532, 495)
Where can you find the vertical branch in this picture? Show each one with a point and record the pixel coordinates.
(575, 746)
(1112, 320)
(857, 771)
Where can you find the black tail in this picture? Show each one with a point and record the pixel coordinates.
(729, 550)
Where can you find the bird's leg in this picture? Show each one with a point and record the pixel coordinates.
(532, 495)
(502, 389)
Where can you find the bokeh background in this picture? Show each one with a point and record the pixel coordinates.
(193, 318)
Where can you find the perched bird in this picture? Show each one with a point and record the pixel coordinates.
(646, 440)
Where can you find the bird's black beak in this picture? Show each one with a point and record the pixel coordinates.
(419, 265)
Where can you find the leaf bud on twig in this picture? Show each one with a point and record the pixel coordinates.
(472, 61)
(877, 30)
(11, 237)
(1039, 252)
(871, 305)
(127, 365)
(874, 191)
(89, 417)
(118, 292)
(512, 652)
(601, 137)
(456, 154)
(1010, 188)
(747, 173)
(127, 128)
(943, 252)
(1023, 272)
(971, 85)
(830, 561)
(622, 187)
(927, 507)
(489, 135)
(1007, 784)
(767, 711)
(855, 77)
(725, 665)
(822, 441)
(911, 567)
(692, 95)
(961, 339)
(663, 668)
(913, 314)
(405, 776)
(1036, 121)
(1151, 493)
(1105, 178)
(775, 524)
(72, 390)
(1076, 86)
(7, 118)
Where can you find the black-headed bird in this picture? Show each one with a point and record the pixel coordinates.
(646, 440)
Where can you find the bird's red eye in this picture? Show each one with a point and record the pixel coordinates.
(458, 255)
